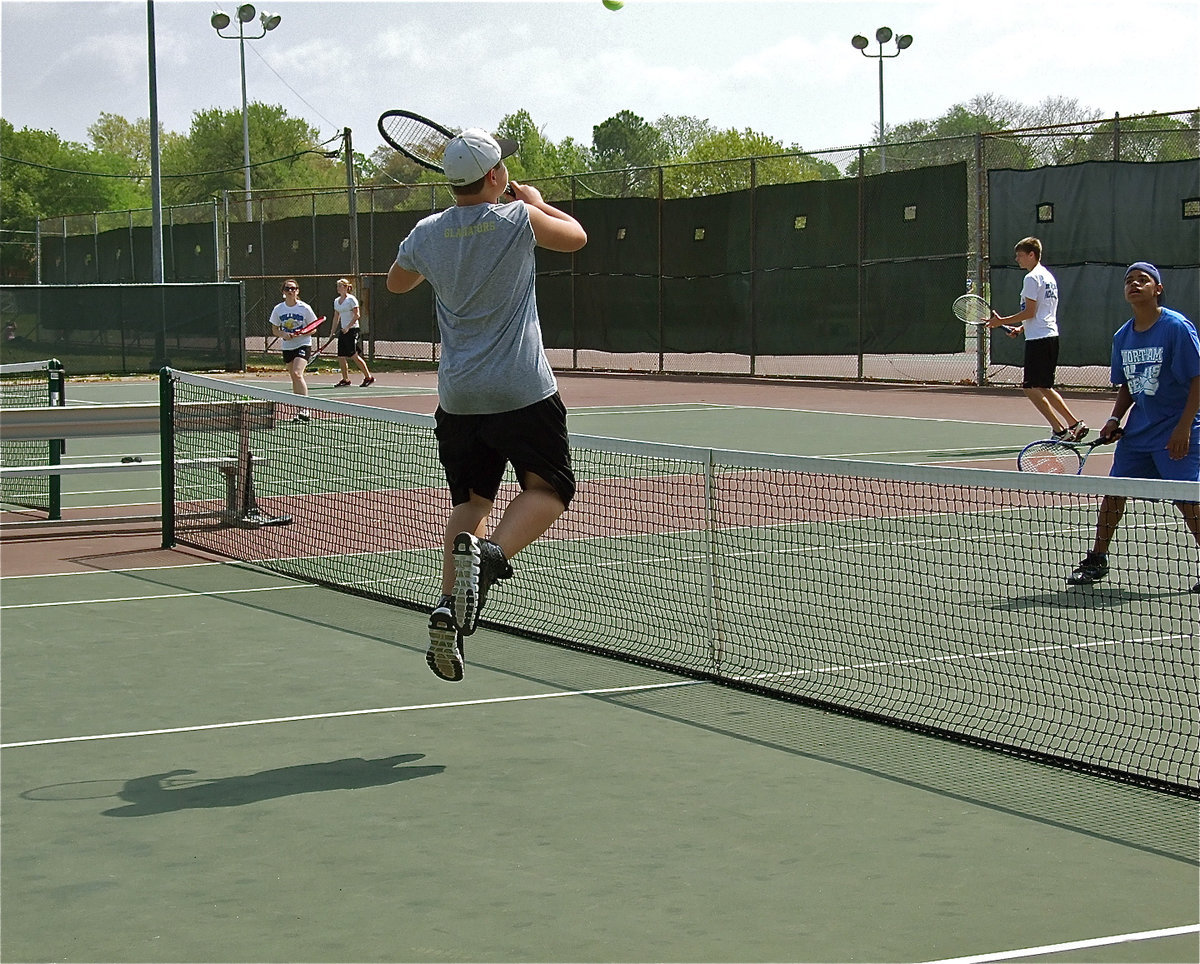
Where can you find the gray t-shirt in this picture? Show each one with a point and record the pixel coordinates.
(480, 261)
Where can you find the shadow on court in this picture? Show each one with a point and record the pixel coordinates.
(152, 794)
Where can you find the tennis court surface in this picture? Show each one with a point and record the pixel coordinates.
(734, 707)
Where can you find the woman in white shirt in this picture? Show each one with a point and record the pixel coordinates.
(349, 335)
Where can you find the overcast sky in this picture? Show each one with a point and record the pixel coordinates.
(785, 68)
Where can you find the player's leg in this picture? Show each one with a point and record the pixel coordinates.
(296, 370)
(1040, 359)
(534, 439)
(1076, 429)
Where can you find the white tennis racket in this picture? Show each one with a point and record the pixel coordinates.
(1059, 457)
(974, 310)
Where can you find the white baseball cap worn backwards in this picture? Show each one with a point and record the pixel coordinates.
(474, 152)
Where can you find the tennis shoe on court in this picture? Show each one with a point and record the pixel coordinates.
(478, 563)
(445, 654)
(302, 416)
(342, 384)
(369, 380)
(1093, 568)
(1077, 432)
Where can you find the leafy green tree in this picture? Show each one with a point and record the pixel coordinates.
(47, 176)
(681, 132)
(727, 160)
(1149, 138)
(626, 140)
(539, 156)
(60, 177)
(284, 153)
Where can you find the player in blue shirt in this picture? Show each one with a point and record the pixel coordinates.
(1156, 363)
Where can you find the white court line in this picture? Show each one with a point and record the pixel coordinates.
(1071, 945)
(346, 713)
(166, 595)
(113, 572)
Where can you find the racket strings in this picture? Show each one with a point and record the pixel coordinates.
(416, 138)
(1050, 457)
(972, 309)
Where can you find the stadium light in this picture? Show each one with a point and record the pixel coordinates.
(268, 21)
(860, 43)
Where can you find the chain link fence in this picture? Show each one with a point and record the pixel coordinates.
(798, 250)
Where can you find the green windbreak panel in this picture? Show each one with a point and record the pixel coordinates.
(706, 272)
(332, 244)
(80, 266)
(1101, 212)
(291, 246)
(907, 307)
(407, 317)
(1091, 308)
(807, 311)
(114, 257)
(616, 288)
(916, 214)
(810, 224)
(1094, 219)
(129, 328)
(189, 253)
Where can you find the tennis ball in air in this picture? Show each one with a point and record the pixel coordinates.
(614, 4)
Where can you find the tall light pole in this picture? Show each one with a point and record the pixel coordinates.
(269, 21)
(882, 36)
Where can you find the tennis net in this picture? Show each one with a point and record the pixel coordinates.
(929, 598)
(35, 384)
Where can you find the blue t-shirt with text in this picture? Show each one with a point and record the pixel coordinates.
(1158, 366)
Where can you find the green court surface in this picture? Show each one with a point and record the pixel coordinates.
(205, 761)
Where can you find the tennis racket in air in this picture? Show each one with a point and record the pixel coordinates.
(1059, 457)
(974, 310)
(418, 138)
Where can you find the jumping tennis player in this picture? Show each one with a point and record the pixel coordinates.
(498, 399)
(1156, 363)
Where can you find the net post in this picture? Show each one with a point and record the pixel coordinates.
(55, 385)
(166, 435)
(716, 644)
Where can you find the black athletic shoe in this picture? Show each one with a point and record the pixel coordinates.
(445, 655)
(477, 564)
(1093, 568)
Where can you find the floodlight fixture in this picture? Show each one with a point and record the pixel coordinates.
(271, 20)
(882, 36)
(246, 12)
(219, 20)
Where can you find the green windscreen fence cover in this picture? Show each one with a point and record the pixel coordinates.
(127, 328)
(1094, 219)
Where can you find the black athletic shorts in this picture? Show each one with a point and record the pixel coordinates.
(291, 354)
(475, 449)
(1041, 362)
(349, 342)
